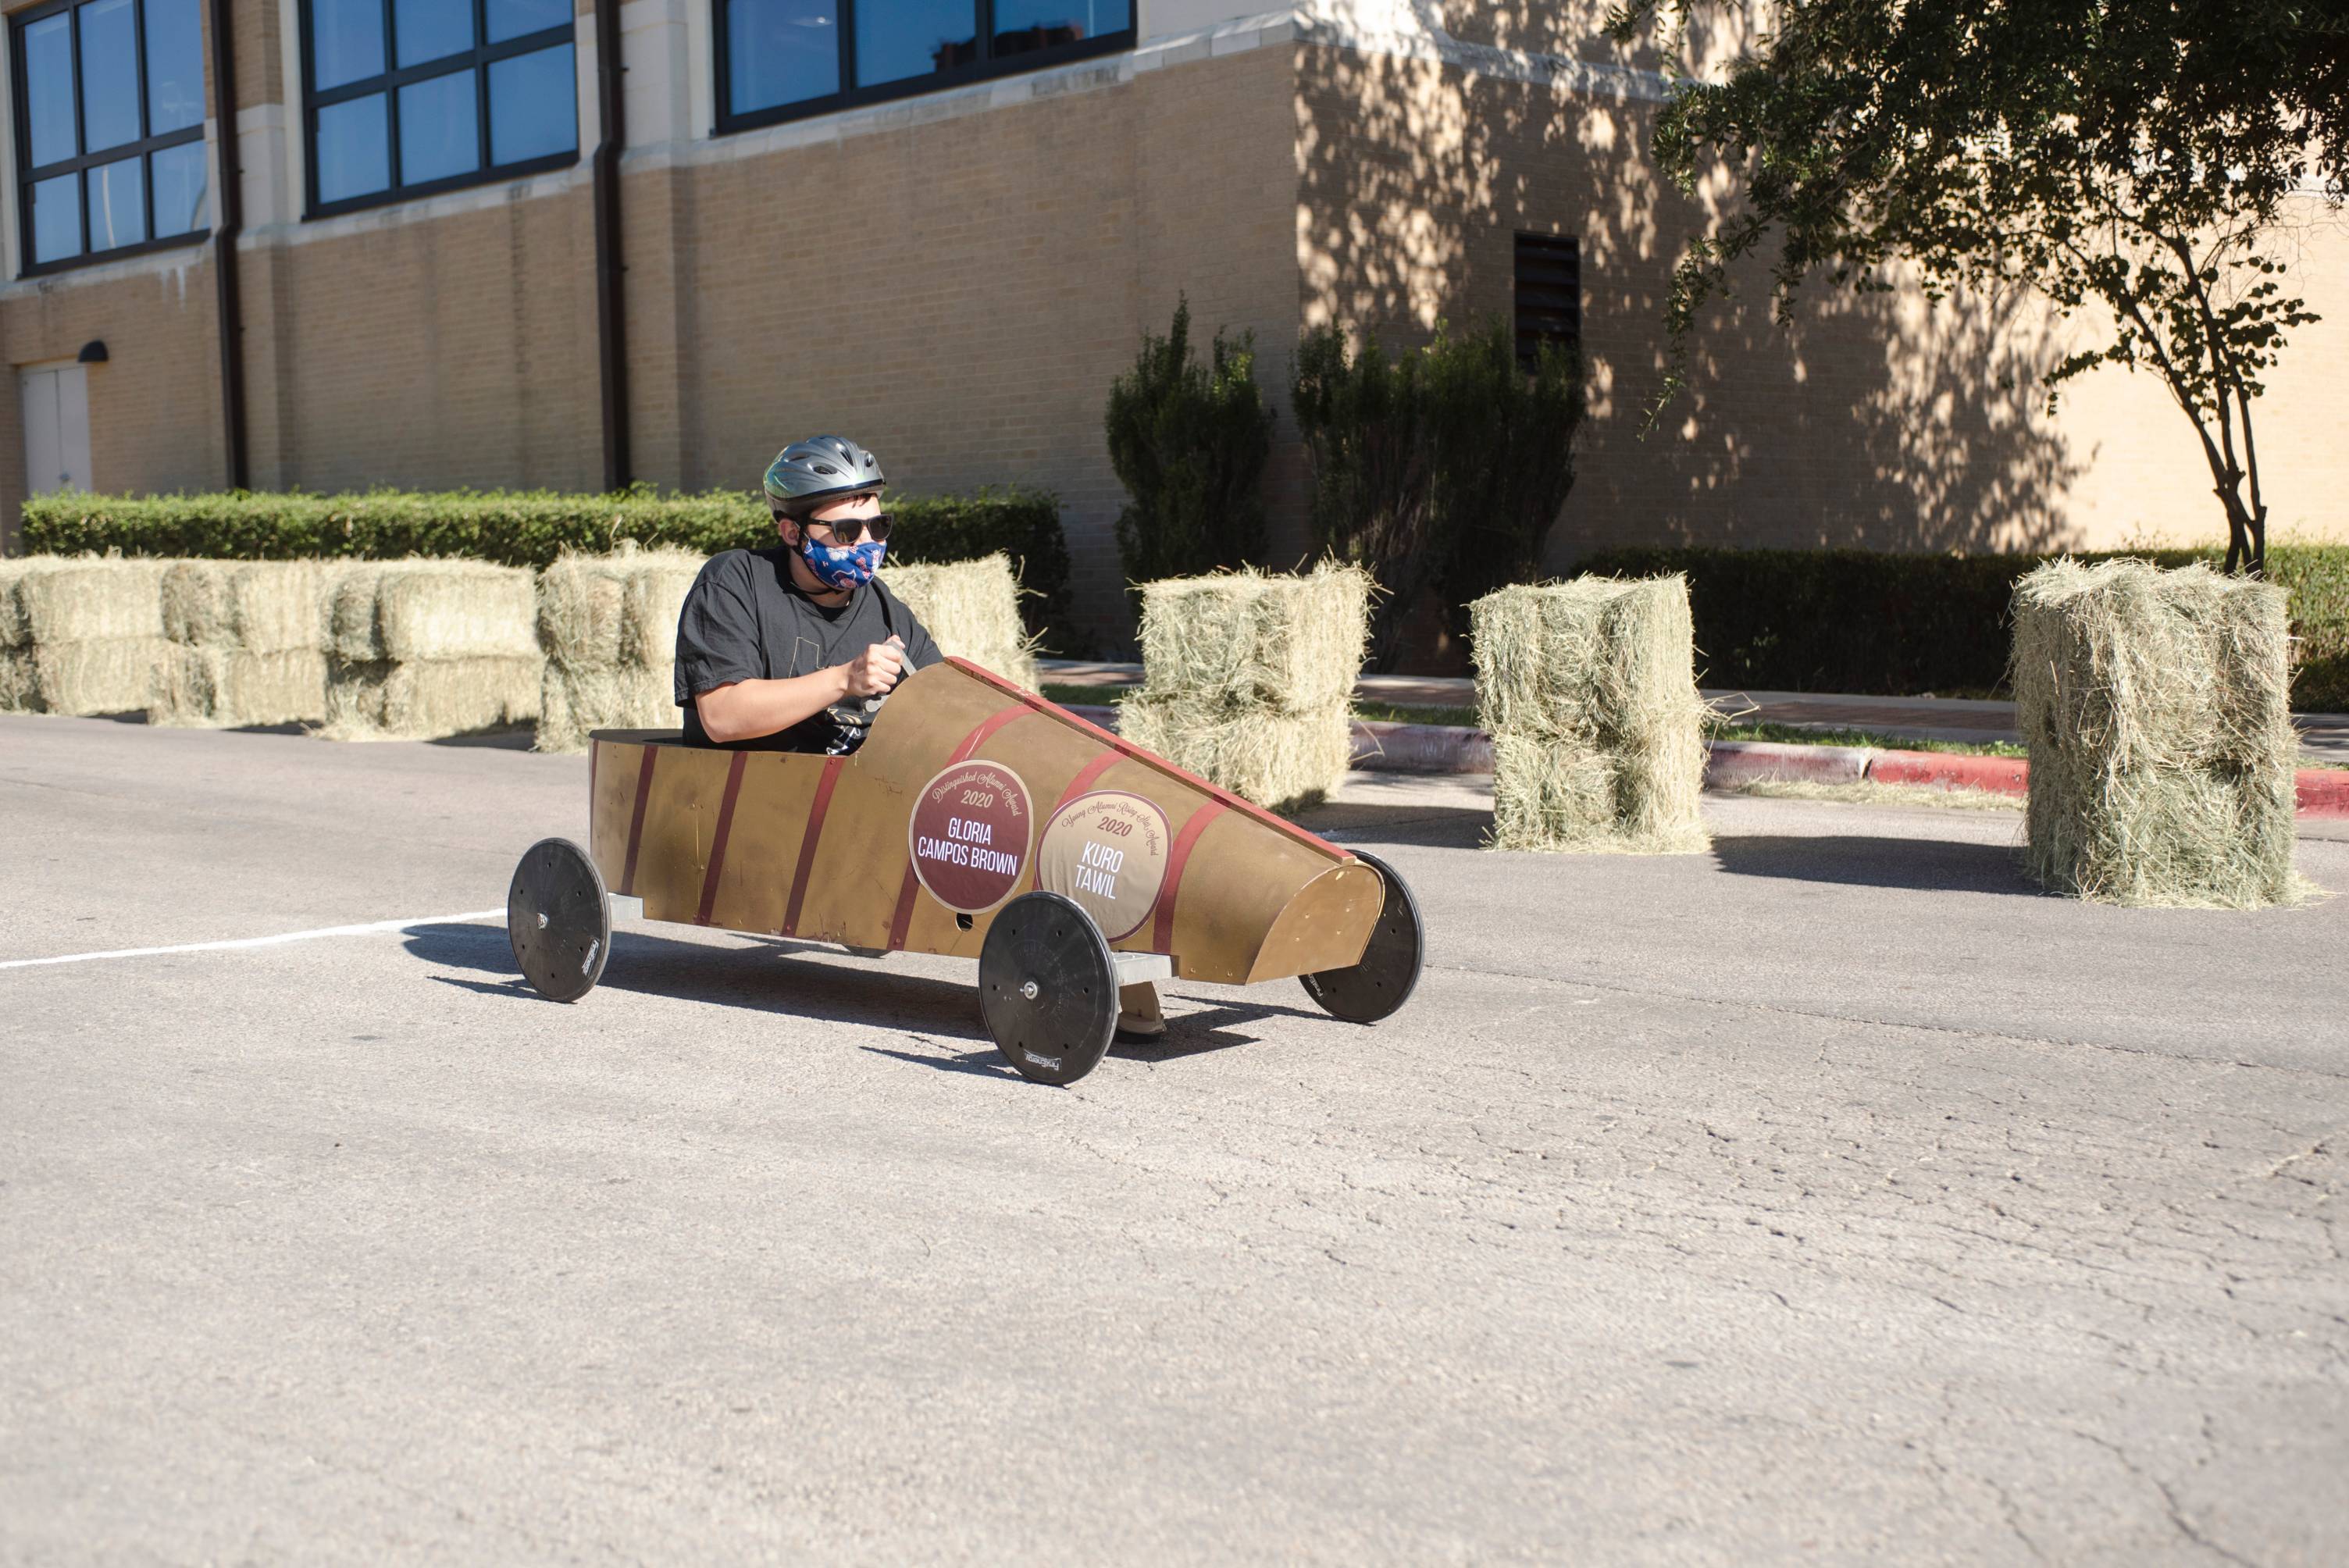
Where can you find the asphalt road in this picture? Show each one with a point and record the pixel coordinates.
(1830, 1196)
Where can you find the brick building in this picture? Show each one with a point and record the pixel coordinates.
(940, 226)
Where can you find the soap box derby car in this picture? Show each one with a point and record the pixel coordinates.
(976, 821)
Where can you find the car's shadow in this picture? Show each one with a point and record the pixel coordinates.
(1922, 865)
(813, 980)
(1347, 824)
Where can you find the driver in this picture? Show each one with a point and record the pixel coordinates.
(792, 648)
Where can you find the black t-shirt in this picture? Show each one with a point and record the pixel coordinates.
(744, 620)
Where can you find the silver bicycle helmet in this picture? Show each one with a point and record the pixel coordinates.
(808, 472)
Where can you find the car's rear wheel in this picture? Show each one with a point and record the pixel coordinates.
(559, 919)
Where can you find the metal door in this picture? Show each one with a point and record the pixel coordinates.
(56, 398)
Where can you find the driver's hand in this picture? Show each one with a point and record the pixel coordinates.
(879, 667)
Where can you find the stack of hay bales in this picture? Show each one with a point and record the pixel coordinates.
(2155, 706)
(1249, 679)
(971, 609)
(1588, 688)
(421, 649)
(248, 644)
(608, 626)
(79, 635)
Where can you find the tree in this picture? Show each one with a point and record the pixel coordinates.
(1505, 457)
(1365, 420)
(1189, 442)
(2135, 155)
(1444, 466)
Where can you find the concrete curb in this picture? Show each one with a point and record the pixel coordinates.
(1734, 762)
(1384, 748)
(1389, 747)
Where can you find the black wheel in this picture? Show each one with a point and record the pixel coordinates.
(1378, 985)
(1048, 987)
(559, 920)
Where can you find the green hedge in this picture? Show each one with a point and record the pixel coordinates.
(1858, 621)
(530, 528)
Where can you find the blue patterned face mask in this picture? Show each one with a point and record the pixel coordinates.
(843, 567)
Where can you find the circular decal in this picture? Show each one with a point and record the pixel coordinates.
(1108, 851)
(970, 832)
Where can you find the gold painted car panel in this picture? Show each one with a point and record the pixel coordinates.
(816, 847)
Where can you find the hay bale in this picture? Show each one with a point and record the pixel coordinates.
(1291, 643)
(607, 626)
(423, 649)
(252, 606)
(1249, 679)
(1282, 761)
(2155, 706)
(228, 688)
(1588, 688)
(80, 635)
(249, 644)
(117, 675)
(971, 609)
(426, 699)
(574, 703)
(408, 611)
(50, 600)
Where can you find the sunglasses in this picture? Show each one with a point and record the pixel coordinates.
(850, 530)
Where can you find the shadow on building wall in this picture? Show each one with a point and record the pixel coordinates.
(1869, 420)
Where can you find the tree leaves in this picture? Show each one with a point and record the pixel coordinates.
(2130, 159)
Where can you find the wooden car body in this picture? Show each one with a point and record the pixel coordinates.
(826, 848)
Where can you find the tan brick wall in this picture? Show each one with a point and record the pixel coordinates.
(967, 321)
(460, 351)
(1871, 421)
(261, 54)
(154, 404)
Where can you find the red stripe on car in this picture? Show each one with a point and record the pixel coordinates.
(718, 838)
(636, 821)
(1161, 934)
(814, 832)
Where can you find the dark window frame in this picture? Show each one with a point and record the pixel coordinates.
(988, 67)
(1538, 321)
(394, 77)
(143, 148)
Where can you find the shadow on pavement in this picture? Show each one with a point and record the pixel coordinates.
(987, 1063)
(768, 977)
(1923, 865)
(507, 739)
(1429, 827)
(789, 978)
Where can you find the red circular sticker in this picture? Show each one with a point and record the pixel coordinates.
(970, 835)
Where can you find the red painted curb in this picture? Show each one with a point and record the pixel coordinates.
(2324, 792)
(1952, 771)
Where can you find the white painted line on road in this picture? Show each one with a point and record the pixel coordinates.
(368, 930)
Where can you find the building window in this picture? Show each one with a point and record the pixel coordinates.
(784, 59)
(405, 97)
(109, 129)
(1549, 295)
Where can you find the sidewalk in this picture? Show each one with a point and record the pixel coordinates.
(2324, 737)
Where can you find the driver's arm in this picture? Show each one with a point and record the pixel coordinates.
(746, 710)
